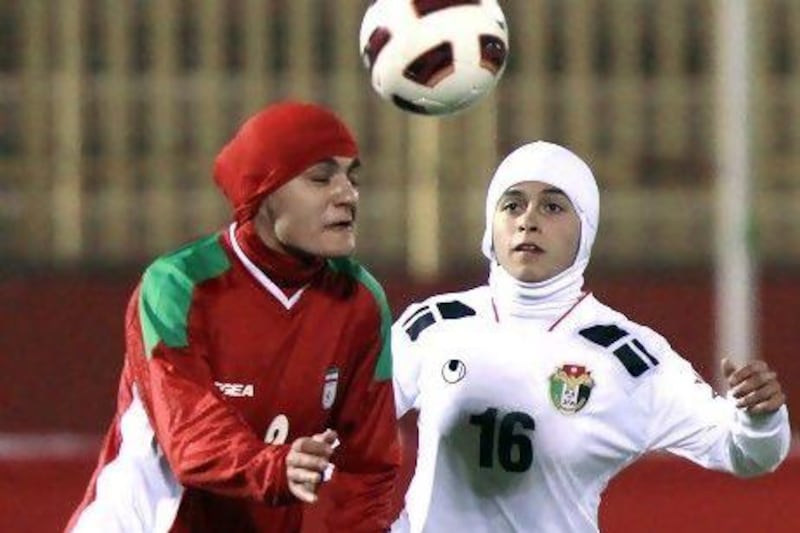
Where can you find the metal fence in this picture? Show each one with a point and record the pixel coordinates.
(111, 112)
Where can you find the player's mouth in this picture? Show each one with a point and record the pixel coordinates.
(341, 220)
(342, 225)
(528, 248)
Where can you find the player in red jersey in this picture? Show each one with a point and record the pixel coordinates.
(252, 353)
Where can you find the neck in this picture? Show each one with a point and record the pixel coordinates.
(545, 300)
(287, 270)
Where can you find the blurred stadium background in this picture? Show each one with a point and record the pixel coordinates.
(111, 112)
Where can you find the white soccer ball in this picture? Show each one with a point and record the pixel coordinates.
(434, 56)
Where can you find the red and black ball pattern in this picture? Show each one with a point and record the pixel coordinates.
(426, 7)
(493, 53)
(378, 39)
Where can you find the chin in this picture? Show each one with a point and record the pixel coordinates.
(338, 254)
(338, 250)
(526, 276)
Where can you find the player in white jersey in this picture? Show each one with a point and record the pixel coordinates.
(532, 394)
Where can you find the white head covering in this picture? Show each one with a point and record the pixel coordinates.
(559, 167)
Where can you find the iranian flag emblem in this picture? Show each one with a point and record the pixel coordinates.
(570, 387)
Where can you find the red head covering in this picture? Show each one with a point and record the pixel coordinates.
(275, 145)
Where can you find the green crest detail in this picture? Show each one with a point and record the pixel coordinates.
(383, 368)
(165, 294)
(570, 387)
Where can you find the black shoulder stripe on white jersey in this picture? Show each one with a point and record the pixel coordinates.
(424, 317)
(454, 309)
(630, 353)
(604, 335)
(634, 364)
(414, 315)
(420, 324)
(645, 352)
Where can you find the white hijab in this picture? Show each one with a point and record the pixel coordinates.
(559, 167)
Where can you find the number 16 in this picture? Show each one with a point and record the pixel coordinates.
(507, 440)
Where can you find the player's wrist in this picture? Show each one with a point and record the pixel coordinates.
(762, 422)
(276, 481)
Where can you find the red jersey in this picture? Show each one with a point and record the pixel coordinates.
(223, 370)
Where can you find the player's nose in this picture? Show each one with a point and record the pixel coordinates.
(344, 191)
(529, 220)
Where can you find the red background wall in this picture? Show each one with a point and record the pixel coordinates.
(61, 349)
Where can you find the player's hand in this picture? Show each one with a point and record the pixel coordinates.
(307, 460)
(755, 387)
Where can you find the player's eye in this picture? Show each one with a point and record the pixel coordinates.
(322, 178)
(553, 207)
(510, 206)
(355, 178)
(553, 204)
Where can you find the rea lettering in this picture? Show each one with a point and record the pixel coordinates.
(236, 390)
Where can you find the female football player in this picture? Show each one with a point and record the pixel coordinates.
(252, 351)
(532, 394)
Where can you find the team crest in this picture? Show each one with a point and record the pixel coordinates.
(570, 387)
(330, 386)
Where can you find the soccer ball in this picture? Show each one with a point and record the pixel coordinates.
(434, 57)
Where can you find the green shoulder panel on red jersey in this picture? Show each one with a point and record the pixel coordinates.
(167, 287)
(383, 368)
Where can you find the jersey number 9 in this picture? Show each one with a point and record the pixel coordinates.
(278, 430)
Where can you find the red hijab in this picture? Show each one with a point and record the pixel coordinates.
(275, 145)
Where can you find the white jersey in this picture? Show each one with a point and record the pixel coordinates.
(521, 429)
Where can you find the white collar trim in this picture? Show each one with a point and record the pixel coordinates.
(262, 278)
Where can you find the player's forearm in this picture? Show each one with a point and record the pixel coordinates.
(759, 444)
(364, 503)
(366, 472)
(364, 491)
(206, 442)
(219, 456)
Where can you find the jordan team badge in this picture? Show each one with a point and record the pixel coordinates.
(330, 386)
(570, 387)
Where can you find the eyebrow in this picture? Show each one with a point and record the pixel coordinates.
(356, 164)
(549, 190)
(329, 162)
(554, 190)
(512, 192)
